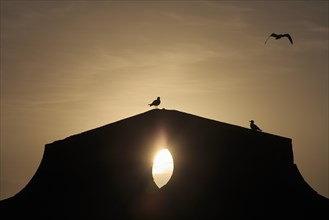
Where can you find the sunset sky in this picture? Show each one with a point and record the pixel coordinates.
(71, 66)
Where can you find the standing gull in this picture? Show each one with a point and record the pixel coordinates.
(155, 102)
(279, 36)
(253, 126)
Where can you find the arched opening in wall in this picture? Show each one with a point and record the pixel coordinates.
(163, 167)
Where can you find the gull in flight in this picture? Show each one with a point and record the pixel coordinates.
(279, 36)
(155, 102)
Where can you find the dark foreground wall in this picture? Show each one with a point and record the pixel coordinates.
(220, 170)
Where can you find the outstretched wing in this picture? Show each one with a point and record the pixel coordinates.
(272, 35)
(289, 37)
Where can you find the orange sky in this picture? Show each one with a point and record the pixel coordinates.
(70, 66)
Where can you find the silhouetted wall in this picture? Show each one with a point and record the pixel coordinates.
(220, 170)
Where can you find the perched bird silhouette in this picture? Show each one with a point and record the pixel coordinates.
(253, 126)
(155, 102)
(279, 36)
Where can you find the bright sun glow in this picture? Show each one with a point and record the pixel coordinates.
(163, 166)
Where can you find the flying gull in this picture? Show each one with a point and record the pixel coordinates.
(279, 36)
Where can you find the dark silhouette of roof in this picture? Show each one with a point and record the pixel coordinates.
(156, 102)
(253, 126)
(220, 170)
(279, 36)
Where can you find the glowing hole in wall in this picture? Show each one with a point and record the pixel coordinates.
(163, 167)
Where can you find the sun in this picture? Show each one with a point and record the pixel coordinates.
(163, 166)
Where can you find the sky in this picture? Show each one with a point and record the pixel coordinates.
(71, 66)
